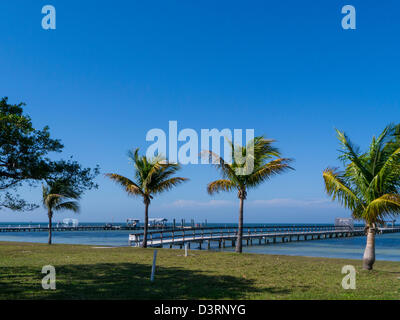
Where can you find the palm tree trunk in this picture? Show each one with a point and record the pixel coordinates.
(146, 223)
(369, 253)
(240, 229)
(50, 215)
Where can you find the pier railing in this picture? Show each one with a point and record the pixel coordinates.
(181, 235)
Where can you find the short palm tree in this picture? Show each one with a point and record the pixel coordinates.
(369, 184)
(152, 176)
(243, 175)
(58, 196)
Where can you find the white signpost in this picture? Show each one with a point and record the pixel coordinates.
(153, 269)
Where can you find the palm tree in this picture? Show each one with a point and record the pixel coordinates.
(369, 184)
(152, 176)
(58, 196)
(243, 175)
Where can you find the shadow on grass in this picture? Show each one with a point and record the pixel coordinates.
(125, 281)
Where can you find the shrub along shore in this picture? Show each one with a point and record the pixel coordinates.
(90, 272)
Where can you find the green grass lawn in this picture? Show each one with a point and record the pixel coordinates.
(86, 272)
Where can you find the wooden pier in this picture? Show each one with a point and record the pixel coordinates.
(223, 237)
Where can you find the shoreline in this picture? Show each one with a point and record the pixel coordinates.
(213, 250)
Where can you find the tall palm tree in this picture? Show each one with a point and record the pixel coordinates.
(243, 175)
(369, 184)
(152, 176)
(58, 196)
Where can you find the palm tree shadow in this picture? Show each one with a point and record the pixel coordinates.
(126, 281)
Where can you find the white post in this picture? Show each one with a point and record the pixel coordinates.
(186, 250)
(153, 269)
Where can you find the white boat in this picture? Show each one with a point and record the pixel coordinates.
(157, 222)
(69, 222)
(344, 223)
(132, 222)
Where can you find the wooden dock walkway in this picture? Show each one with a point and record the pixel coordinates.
(255, 235)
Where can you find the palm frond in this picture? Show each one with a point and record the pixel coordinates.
(151, 175)
(351, 153)
(337, 187)
(221, 185)
(68, 205)
(168, 184)
(268, 170)
(58, 195)
(376, 152)
(370, 184)
(57, 192)
(225, 168)
(52, 199)
(251, 165)
(358, 211)
(386, 205)
(129, 186)
(162, 171)
(389, 173)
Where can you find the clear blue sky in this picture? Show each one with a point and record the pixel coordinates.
(112, 70)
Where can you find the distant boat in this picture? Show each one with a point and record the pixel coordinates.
(157, 222)
(69, 222)
(347, 223)
(132, 222)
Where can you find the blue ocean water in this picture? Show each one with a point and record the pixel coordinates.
(387, 245)
(387, 248)
(105, 238)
